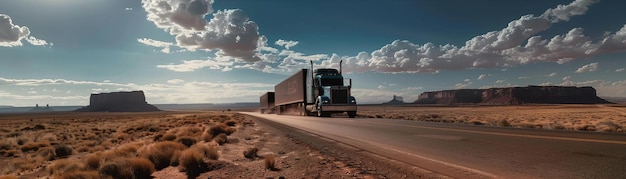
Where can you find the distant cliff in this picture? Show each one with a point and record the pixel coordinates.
(133, 101)
(514, 95)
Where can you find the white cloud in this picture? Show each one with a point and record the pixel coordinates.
(285, 43)
(229, 31)
(522, 77)
(483, 76)
(175, 81)
(128, 9)
(551, 74)
(564, 12)
(155, 43)
(37, 42)
(620, 70)
(193, 65)
(463, 85)
(588, 68)
(499, 81)
(11, 35)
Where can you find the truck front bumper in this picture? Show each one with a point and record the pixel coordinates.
(338, 108)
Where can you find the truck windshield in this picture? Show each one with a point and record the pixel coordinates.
(332, 81)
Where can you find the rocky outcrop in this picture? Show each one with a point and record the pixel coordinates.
(133, 101)
(514, 95)
(395, 100)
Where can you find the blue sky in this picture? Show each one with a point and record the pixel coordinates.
(58, 52)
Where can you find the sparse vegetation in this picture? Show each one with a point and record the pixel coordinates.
(161, 154)
(270, 162)
(251, 153)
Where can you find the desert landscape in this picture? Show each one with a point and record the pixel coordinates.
(210, 144)
(222, 144)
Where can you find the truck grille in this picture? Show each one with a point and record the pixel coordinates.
(339, 96)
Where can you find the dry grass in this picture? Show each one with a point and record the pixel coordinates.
(162, 154)
(192, 162)
(601, 118)
(221, 139)
(109, 145)
(142, 168)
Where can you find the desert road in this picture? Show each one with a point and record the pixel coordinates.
(469, 151)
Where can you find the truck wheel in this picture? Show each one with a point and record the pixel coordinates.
(351, 114)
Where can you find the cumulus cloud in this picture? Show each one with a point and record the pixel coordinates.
(551, 74)
(12, 35)
(286, 43)
(564, 12)
(620, 70)
(230, 32)
(588, 68)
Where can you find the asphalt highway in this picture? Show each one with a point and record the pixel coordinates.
(470, 151)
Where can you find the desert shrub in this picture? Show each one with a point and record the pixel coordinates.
(270, 162)
(192, 162)
(221, 139)
(503, 123)
(476, 122)
(221, 129)
(118, 169)
(34, 146)
(189, 131)
(169, 137)
(142, 168)
(251, 152)
(5, 146)
(586, 128)
(206, 151)
(161, 154)
(187, 141)
(47, 153)
(93, 161)
(157, 137)
(607, 126)
(80, 175)
(206, 136)
(12, 153)
(63, 151)
(21, 164)
(231, 123)
(64, 166)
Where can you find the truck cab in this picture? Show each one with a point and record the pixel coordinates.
(332, 93)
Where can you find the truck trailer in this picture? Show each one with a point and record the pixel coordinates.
(267, 103)
(319, 92)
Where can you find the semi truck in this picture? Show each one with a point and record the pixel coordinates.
(319, 92)
(267, 103)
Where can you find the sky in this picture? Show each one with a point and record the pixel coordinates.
(58, 52)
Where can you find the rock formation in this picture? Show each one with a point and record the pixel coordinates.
(133, 101)
(41, 109)
(514, 95)
(395, 100)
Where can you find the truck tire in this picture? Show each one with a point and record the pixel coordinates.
(351, 114)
